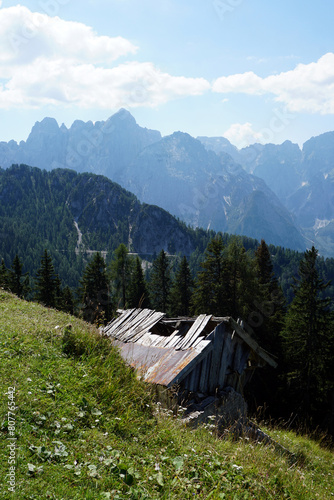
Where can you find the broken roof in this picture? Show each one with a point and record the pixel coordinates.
(164, 350)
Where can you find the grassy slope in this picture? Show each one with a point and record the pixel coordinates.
(88, 428)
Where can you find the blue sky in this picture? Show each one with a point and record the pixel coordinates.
(249, 70)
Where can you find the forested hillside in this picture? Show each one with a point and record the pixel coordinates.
(81, 237)
(71, 214)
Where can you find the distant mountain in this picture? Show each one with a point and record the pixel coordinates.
(210, 191)
(204, 188)
(101, 147)
(219, 145)
(303, 180)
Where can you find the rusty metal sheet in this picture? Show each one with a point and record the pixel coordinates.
(155, 364)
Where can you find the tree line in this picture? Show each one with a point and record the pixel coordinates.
(230, 282)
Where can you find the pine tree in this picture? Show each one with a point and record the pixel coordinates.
(266, 320)
(121, 272)
(138, 294)
(18, 282)
(270, 305)
(308, 339)
(46, 282)
(210, 295)
(67, 302)
(160, 283)
(4, 276)
(94, 291)
(240, 282)
(182, 290)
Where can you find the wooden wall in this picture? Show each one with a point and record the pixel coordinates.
(223, 366)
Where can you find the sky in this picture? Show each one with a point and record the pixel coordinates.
(248, 70)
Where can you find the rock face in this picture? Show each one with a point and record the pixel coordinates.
(101, 148)
(200, 182)
(210, 191)
(303, 180)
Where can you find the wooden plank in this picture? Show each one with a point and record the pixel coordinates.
(167, 340)
(237, 355)
(252, 343)
(194, 379)
(243, 359)
(225, 358)
(147, 323)
(202, 345)
(174, 341)
(155, 339)
(141, 322)
(129, 329)
(146, 339)
(112, 327)
(203, 385)
(218, 342)
(190, 366)
(194, 331)
(124, 329)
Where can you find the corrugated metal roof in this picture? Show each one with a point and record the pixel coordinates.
(160, 365)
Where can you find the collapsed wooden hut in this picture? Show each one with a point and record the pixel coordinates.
(188, 359)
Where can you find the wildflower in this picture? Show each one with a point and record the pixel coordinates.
(238, 468)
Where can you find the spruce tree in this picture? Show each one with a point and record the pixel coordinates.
(138, 294)
(94, 291)
(4, 276)
(308, 340)
(182, 290)
(240, 281)
(210, 295)
(160, 283)
(267, 319)
(67, 301)
(269, 309)
(46, 282)
(18, 282)
(121, 273)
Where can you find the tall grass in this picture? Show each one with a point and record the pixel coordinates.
(87, 428)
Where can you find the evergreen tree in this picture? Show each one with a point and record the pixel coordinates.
(4, 276)
(210, 295)
(269, 311)
(46, 282)
(182, 290)
(308, 340)
(121, 274)
(94, 291)
(240, 281)
(138, 294)
(67, 302)
(266, 320)
(160, 283)
(18, 282)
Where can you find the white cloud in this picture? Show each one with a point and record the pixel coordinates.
(46, 60)
(242, 134)
(307, 88)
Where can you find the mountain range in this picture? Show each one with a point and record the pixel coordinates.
(281, 193)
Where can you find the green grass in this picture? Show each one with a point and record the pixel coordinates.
(86, 428)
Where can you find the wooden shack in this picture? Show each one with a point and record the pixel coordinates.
(187, 356)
